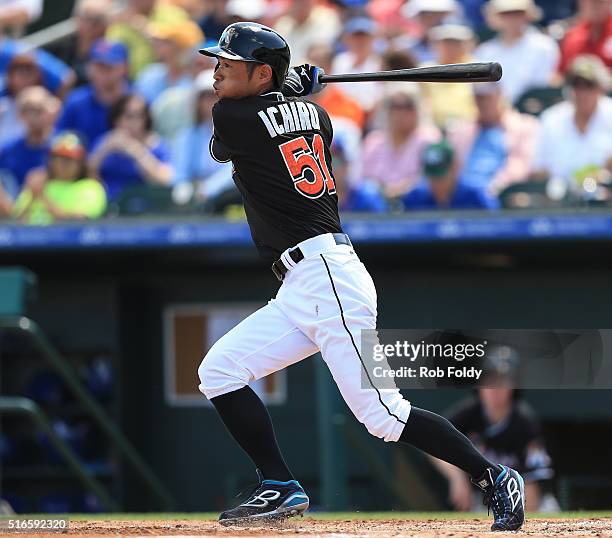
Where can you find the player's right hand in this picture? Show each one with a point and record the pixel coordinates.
(302, 80)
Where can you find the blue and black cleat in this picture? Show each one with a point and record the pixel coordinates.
(505, 496)
(269, 502)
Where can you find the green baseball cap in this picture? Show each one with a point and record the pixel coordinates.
(437, 159)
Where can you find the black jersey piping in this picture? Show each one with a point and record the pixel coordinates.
(355, 346)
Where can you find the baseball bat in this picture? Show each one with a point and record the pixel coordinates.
(472, 72)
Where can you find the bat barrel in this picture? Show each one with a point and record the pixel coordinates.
(471, 72)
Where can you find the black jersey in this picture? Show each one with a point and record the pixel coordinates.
(279, 149)
(515, 441)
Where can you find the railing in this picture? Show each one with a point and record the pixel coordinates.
(58, 31)
(25, 406)
(339, 436)
(61, 366)
(51, 34)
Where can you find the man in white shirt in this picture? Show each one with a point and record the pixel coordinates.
(575, 137)
(529, 57)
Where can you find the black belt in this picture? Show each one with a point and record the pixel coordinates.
(280, 269)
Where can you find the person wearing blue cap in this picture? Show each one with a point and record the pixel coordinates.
(86, 110)
(358, 36)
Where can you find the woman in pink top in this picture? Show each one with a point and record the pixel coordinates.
(391, 156)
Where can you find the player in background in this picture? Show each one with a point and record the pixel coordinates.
(505, 429)
(279, 147)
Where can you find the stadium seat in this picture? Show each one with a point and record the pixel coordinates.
(536, 100)
(150, 200)
(528, 195)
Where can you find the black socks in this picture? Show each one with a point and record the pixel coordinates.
(436, 436)
(248, 420)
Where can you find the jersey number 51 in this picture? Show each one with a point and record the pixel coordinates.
(308, 166)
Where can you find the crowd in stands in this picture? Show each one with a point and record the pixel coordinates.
(125, 103)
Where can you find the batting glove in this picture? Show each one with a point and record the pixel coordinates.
(303, 80)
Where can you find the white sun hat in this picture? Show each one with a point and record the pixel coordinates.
(414, 7)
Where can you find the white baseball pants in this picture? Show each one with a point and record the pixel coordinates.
(323, 304)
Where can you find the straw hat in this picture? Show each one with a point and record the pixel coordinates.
(591, 68)
(415, 7)
(495, 7)
(186, 34)
(454, 31)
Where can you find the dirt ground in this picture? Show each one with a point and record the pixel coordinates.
(335, 529)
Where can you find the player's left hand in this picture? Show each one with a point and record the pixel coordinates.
(303, 80)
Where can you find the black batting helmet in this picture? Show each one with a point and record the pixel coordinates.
(253, 42)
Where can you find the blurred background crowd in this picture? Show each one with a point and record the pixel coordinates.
(115, 117)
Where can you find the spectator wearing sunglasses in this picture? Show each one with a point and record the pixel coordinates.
(391, 154)
(575, 135)
(131, 153)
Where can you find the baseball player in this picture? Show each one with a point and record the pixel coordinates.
(279, 146)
